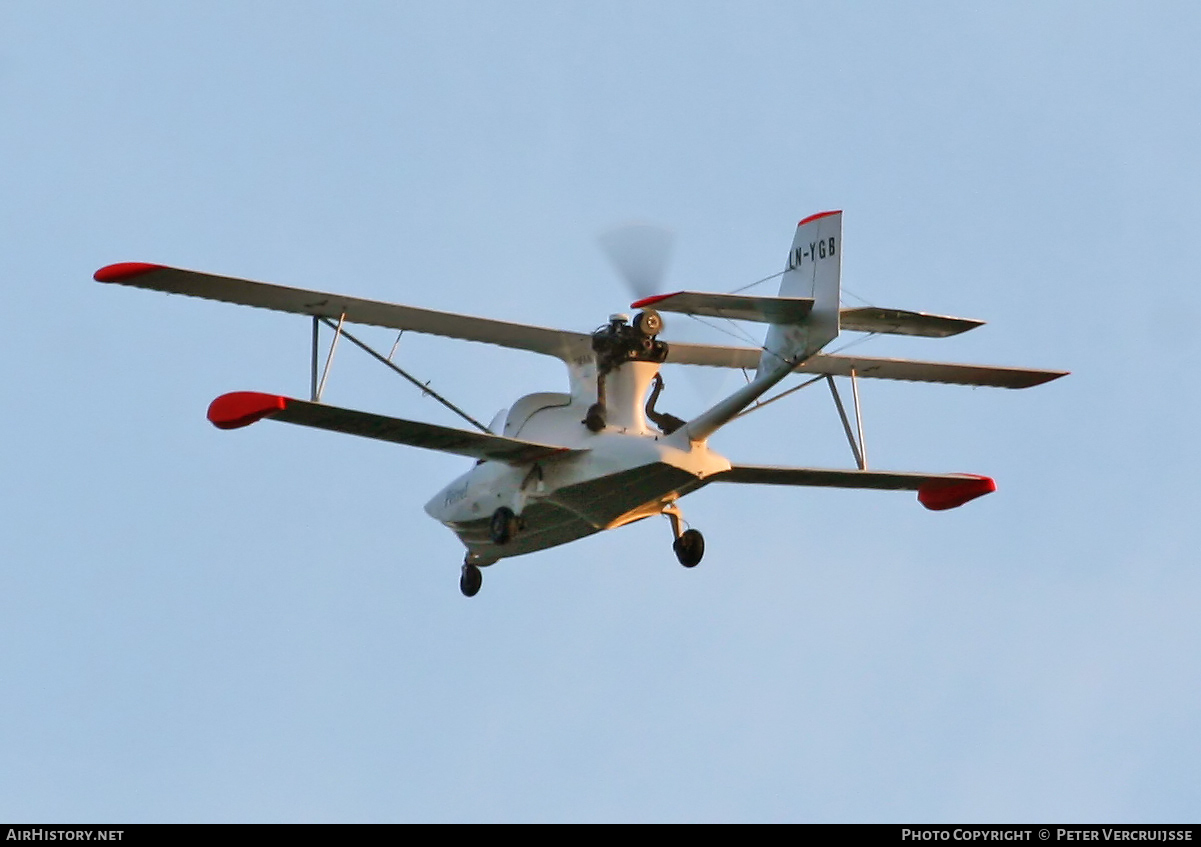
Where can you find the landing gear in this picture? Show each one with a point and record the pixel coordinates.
(689, 545)
(689, 548)
(470, 580)
(503, 526)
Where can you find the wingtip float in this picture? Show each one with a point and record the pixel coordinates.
(122, 271)
(940, 495)
(242, 408)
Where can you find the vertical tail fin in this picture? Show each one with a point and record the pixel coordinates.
(814, 270)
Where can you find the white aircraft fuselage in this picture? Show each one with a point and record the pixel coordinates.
(630, 470)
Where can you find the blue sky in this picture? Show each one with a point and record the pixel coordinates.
(263, 625)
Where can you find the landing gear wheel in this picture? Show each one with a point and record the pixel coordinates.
(689, 548)
(503, 526)
(470, 580)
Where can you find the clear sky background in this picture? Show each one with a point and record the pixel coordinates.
(264, 625)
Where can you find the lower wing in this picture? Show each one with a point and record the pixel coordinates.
(934, 491)
(242, 408)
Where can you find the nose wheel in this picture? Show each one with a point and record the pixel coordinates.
(689, 544)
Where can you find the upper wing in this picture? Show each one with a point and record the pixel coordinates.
(904, 369)
(242, 408)
(741, 307)
(553, 342)
(934, 491)
(913, 370)
(901, 322)
(712, 355)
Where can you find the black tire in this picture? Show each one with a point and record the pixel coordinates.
(470, 580)
(503, 525)
(595, 419)
(689, 548)
(649, 323)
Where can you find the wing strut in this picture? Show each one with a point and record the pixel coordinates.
(858, 416)
(319, 387)
(858, 447)
(858, 450)
(339, 331)
(313, 369)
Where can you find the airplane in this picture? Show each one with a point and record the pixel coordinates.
(556, 467)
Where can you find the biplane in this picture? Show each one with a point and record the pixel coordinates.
(558, 466)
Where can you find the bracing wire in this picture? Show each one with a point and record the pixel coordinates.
(779, 396)
(734, 330)
(758, 281)
(862, 300)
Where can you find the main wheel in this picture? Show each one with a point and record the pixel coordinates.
(470, 580)
(689, 548)
(503, 525)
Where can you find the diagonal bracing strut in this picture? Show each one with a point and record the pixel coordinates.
(858, 417)
(857, 449)
(319, 387)
(425, 389)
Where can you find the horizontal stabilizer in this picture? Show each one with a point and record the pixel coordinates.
(738, 307)
(552, 342)
(901, 322)
(242, 408)
(935, 491)
(786, 310)
(997, 376)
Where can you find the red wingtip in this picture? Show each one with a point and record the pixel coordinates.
(650, 301)
(242, 408)
(123, 271)
(940, 494)
(819, 216)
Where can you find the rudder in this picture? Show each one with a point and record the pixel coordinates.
(814, 269)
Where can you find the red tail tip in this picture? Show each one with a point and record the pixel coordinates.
(818, 216)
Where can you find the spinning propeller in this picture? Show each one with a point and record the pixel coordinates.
(640, 254)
